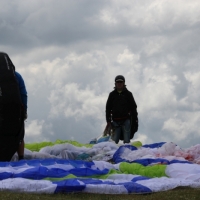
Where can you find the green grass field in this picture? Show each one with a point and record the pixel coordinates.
(178, 193)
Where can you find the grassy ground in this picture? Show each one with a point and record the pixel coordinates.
(179, 193)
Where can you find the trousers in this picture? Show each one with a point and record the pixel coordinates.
(122, 127)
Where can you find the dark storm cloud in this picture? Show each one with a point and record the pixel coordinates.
(70, 51)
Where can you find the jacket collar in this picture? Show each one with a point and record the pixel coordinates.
(124, 89)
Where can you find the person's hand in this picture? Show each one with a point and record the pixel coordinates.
(108, 125)
(107, 129)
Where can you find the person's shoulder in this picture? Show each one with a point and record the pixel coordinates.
(18, 74)
(128, 92)
(112, 92)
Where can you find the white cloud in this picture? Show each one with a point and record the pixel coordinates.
(35, 131)
(183, 127)
(69, 101)
(34, 128)
(108, 17)
(128, 58)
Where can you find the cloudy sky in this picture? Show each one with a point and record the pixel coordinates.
(69, 52)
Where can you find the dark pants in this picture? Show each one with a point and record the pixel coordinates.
(122, 127)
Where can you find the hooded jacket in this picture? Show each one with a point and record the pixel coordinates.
(120, 106)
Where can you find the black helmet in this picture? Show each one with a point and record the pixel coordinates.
(119, 78)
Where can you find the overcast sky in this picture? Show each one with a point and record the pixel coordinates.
(69, 52)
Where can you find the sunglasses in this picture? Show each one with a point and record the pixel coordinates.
(119, 81)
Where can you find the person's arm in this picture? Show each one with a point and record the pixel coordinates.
(108, 116)
(134, 112)
(133, 106)
(108, 109)
(23, 92)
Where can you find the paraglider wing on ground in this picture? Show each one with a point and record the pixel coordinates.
(68, 166)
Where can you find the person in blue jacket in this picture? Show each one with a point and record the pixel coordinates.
(24, 98)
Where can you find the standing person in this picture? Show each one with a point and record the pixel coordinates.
(24, 98)
(13, 110)
(121, 112)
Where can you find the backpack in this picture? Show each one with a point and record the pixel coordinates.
(11, 110)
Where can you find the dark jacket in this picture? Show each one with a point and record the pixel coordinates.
(22, 89)
(121, 106)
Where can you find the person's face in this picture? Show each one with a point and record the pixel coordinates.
(119, 85)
